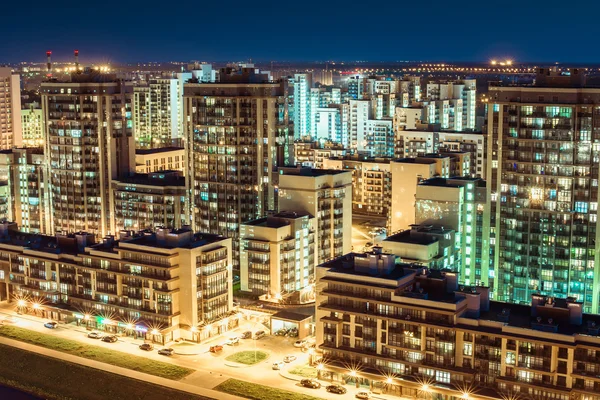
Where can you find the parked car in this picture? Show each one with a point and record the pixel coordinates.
(259, 334)
(363, 395)
(278, 365)
(216, 348)
(146, 347)
(51, 324)
(110, 339)
(94, 335)
(337, 389)
(166, 352)
(289, 359)
(233, 340)
(309, 383)
(246, 335)
(300, 343)
(369, 244)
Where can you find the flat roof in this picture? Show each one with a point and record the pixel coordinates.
(161, 178)
(290, 316)
(312, 172)
(158, 150)
(406, 237)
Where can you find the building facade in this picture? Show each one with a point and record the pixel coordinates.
(160, 286)
(32, 126)
(150, 201)
(460, 204)
(371, 182)
(326, 195)
(543, 188)
(88, 143)
(238, 134)
(277, 254)
(10, 109)
(414, 332)
(160, 159)
(23, 175)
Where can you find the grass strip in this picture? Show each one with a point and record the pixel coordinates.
(304, 371)
(259, 392)
(249, 357)
(117, 358)
(55, 379)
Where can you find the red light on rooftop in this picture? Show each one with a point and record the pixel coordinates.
(48, 53)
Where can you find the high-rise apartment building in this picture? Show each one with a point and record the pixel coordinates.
(32, 126)
(277, 254)
(302, 84)
(417, 142)
(158, 113)
(543, 188)
(10, 109)
(425, 245)
(159, 286)
(314, 154)
(326, 195)
(409, 90)
(371, 182)
(237, 135)
(160, 159)
(460, 204)
(331, 124)
(149, 201)
(23, 176)
(416, 333)
(407, 173)
(460, 100)
(88, 143)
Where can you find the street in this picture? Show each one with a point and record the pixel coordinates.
(362, 226)
(211, 368)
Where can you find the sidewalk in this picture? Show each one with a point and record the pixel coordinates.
(120, 371)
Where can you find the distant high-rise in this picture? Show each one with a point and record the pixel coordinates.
(237, 135)
(88, 142)
(543, 156)
(302, 123)
(10, 109)
(158, 113)
(32, 126)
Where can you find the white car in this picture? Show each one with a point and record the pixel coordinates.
(363, 395)
(300, 343)
(278, 365)
(289, 359)
(233, 340)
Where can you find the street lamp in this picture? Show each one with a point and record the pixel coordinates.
(319, 369)
(353, 374)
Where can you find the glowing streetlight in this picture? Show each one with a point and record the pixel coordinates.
(425, 388)
(36, 306)
(86, 317)
(389, 381)
(21, 303)
(154, 332)
(194, 329)
(129, 326)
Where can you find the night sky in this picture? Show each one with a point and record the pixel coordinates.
(436, 30)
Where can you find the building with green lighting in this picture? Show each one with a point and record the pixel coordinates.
(543, 154)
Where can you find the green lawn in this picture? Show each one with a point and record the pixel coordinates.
(259, 392)
(248, 357)
(97, 353)
(304, 371)
(51, 378)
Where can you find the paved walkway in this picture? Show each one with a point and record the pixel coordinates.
(120, 371)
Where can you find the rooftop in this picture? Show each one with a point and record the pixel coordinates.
(158, 150)
(290, 316)
(161, 178)
(310, 172)
(406, 237)
(277, 220)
